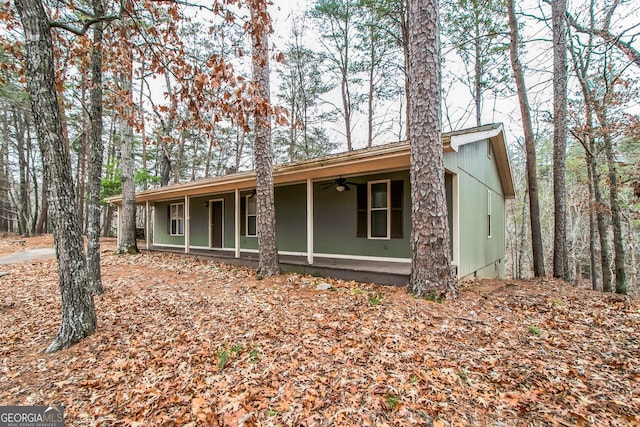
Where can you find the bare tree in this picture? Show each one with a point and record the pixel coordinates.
(530, 146)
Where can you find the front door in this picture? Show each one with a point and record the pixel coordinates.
(217, 223)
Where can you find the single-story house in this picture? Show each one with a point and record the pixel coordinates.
(346, 215)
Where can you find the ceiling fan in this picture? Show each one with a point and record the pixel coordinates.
(341, 185)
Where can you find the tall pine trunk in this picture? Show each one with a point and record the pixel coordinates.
(530, 146)
(127, 222)
(560, 261)
(96, 153)
(431, 270)
(78, 312)
(268, 263)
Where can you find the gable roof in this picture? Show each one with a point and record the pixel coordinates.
(388, 157)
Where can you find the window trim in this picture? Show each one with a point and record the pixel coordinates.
(179, 220)
(387, 209)
(247, 215)
(489, 225)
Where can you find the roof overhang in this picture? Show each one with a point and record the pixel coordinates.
(385, 158)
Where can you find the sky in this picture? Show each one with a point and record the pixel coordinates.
(536, 55)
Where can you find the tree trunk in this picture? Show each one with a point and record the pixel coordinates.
(107, 213)
(593, 264)
(127, 222)
(622, 285)
(81, 168)
(404, 27)
(530, 146)
(43, 218)
(23, 188)
(581, 67)
(632, 250)
(560, 262)
(5, 206)
(522, 237)
(477, 70)
(431, 272)
(96, 153)
(78, 312)
(370, 94)
(268, 264)
(346, 106)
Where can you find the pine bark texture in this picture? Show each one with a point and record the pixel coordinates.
(530, 146)
(268, 263)
(560, 261)
(96, 150)
(78, 312)
(127, 224)
(431, 271)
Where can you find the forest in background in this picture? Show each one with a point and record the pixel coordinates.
(174, 75)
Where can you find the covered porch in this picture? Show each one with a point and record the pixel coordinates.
(394, 273)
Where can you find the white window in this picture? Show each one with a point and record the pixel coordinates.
(489, 149)
(489, 214)
(379, 209)
(250, 219)
(176, 218)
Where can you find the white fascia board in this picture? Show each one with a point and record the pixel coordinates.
(467, 138)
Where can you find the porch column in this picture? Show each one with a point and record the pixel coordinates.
(456, 221)
(187, 221)
(146, 225)
(118, 228)
(309, 221)
(236, 216)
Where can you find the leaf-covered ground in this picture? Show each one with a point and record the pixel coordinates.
(189, 342)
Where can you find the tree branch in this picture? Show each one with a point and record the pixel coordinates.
(605, 34)
(85, 25)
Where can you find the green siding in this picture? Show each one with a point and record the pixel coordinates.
(335, 216)
(477, 174)
(448, 184)
(291, 217)
(199, 222)
(161, 218)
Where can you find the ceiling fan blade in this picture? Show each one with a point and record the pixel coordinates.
(327, 186)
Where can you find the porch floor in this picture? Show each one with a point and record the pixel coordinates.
(382, 272)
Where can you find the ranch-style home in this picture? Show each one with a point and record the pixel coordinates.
(346, 215)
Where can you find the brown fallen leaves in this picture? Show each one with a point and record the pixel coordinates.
(189, 342)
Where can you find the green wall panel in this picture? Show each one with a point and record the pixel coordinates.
(199, 222)
(161, 217)
(291, 217)
(335, 216)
